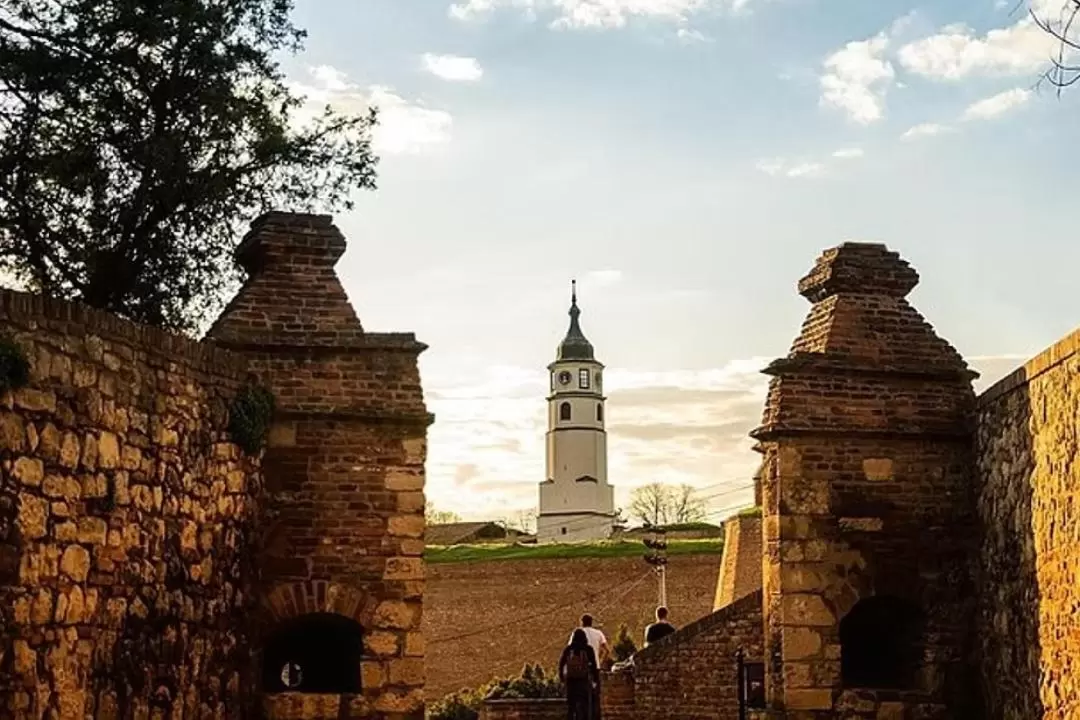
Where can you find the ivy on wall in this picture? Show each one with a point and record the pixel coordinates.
(250, 416)
(14, 365)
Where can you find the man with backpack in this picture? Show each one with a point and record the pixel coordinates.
(580, 673)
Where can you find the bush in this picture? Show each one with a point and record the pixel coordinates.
(250, 416)
(624, 646)
(14, 367)
(532, 683)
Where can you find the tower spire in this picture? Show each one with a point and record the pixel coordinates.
(574, 346)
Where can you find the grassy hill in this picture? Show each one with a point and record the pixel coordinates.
(615, 549)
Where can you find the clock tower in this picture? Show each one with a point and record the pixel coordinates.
(576, 502)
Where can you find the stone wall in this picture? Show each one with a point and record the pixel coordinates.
(524, 709)
(341, 551)
(691, 674)
(740, 571)
(869, 527)
(147, 571)
(1028, 481)
(126, 520)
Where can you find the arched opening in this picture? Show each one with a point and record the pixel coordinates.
(316, 653)
(599, 412)
(881, 644)
(564, 411)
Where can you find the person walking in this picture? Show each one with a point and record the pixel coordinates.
(599, 644)
(580, 673)
(659, 629)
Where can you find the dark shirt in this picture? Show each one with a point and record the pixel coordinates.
(594, 670)
(657, 630)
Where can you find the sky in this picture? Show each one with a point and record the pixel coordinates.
(686, 161)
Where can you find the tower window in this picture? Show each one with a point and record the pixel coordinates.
(599, 412)
(564, 411)
(583, 379)
(880, 644)
(564, 531)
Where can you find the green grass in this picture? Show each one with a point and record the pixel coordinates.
(490, 553)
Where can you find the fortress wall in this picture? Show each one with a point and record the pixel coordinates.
(125, 515)
(1028, 482)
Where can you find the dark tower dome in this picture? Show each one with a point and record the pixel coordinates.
(574, 346)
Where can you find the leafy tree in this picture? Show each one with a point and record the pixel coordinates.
(137, 137)
(661, 504)
(434, 516)
(624, 646)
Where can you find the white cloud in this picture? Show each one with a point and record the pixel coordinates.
(806, 169)
(404, 127)
(688, 36)
(848, 153)
(453, 67)
(925, 130)
(997, 104)
(856, 79)
(779, 167)
(957, 52)
(596, 14)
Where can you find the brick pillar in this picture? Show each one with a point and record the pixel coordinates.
(867, 501)
(344, 466)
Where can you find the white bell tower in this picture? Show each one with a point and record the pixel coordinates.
(576, 502)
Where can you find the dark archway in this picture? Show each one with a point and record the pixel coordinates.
(881, 644)
(564, 411)
(316, 653)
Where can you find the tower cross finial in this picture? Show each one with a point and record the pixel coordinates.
(573, 292)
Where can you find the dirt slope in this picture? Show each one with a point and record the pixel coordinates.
(495, 602)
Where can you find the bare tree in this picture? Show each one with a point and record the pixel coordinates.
(1063, 28)
(686, 507)
(650, 503)
(662, 504)
(434, 516)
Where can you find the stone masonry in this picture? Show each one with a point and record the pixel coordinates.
(146, 569)
(868, 520)
(690, 674)
(740, 568)
(344, 469)
(126, 522)
(1029, 582)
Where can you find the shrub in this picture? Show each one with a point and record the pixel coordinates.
(14, 367)
(249, 417)
(624, 646)
(532, 683)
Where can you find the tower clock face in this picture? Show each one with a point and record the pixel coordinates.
(564, 378)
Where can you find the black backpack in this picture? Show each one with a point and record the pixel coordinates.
(577, 665)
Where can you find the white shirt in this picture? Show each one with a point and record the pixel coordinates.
(596, 639)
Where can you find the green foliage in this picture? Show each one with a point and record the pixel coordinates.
(750, 512)
(533, 682)
(137, 138)
(555, 551)
(14, 366)
(250, 416)
(624, 645)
